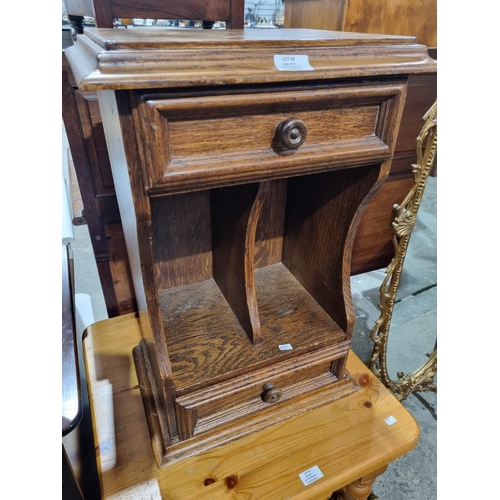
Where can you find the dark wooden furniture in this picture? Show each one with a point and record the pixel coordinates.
(89, 152)
(83, 124)
(241, 183)
(349, 440)
(71, 397)
(105, 12)
(373, 248)
(79, 468)
(230, 11)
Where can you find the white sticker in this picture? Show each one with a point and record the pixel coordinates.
(292, 63)
(285, 347)
(310, 475)
(390, 420)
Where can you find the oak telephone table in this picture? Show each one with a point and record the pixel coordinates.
(349, 442)
(242, 162)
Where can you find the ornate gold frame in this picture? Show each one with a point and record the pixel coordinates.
(403, 224)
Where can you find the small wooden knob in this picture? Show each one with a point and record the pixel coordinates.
(292, 133)
(271, 394)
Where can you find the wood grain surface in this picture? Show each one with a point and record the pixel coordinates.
(135, 59)
(235, 215)
(207, 344)
(315, 14)
(206, 141)
(346, 439)
(195, 169)
(319, 213)
(396, 17)
(203, 312)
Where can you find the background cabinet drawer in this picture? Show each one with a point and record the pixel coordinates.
(207, 141)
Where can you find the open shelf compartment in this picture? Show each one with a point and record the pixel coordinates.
(243, 270)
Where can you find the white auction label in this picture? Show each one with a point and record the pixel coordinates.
(311, 475)
(292, 63)
(285, 347)
(390, 420)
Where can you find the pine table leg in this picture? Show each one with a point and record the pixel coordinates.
(359, 489)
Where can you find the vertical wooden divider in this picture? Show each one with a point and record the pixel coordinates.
(235, 214)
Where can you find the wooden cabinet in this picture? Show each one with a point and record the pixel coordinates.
(240, 184)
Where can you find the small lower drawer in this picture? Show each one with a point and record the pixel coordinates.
(260, 391)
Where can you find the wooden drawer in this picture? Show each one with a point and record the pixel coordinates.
(203, 141)
(221, 403)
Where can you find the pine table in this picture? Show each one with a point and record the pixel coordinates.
(335, 451)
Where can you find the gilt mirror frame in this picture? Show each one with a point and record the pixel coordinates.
(403, 224)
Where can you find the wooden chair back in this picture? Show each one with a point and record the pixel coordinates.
(229, 11)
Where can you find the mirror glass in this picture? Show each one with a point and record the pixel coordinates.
(413, 329)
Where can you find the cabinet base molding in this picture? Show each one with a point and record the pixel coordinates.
(167, 450)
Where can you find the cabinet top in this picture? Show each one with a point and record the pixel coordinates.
(141, 58)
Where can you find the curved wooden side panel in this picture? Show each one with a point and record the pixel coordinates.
(250, 250)
(320, 211)
(235, 216)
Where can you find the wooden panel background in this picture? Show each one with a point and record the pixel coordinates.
(394, 17)
(315, 14)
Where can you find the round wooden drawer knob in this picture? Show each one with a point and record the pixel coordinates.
(292, 133)
(271, 394)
